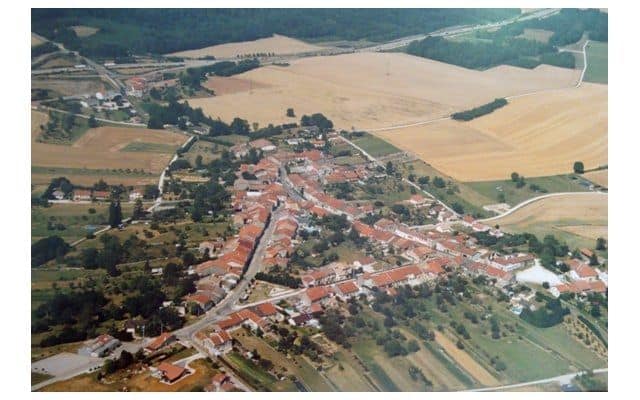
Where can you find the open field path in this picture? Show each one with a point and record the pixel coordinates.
(562, 379)
(109, 121)
(533, 200)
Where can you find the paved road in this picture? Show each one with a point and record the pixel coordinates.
(226, 306)
(561, 379)
(533, 200)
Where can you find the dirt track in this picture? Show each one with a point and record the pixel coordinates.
(536, 135)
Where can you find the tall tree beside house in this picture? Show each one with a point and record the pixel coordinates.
(115, 214)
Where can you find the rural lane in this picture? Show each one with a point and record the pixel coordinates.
(533, 200)
(562, 379)
(109, 121)
(375, 161)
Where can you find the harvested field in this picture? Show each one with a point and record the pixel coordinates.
(590, 208)
(535, 135)
(374, 90)
(69, 87)
(465, 361)
(600, 177)
(222, 85)
(577, 219)
(276, 44)
(100, 148)
(84, 31)
(588, 231)
(35, 40)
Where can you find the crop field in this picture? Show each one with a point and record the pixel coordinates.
(600, 177)
(276, 44)
(69, 87)
(536, 135)
(375, 146)
(597, 62)
(222, 85)
(575, 218)
(348, 375)
(36, 41)
(396, 89)
(101, 148)
(465, 361)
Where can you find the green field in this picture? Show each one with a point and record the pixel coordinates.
(543, 228)
(375, 146)
(149, 147)
(597, 62)
(256, 375)
(529, 352)
(514, 195)
(75, 219)
(208, 150)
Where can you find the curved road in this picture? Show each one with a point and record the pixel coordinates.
(533, 200)
(429, 121)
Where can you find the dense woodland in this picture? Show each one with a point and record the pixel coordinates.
(127, 31)
(504, 47)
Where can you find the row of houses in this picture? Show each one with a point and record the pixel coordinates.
(581, 278)
(219, 275)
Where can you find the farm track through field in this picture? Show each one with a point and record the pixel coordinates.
(533, 200)
(430, 121)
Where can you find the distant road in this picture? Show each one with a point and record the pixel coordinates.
(533, 200)
(561, 379)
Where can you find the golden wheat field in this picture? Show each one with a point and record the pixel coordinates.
(535, 135)
(101, 148)
(600, 177)
(585, 208)
(373, 90)
(277, 44)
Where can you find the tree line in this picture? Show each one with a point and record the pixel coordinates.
(123, 32)
(476, 112)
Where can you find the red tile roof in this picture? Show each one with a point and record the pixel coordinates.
(266, 309)
(159, 341)
(347, 287)
(171, 372)
(221, 337)
(317, 293)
